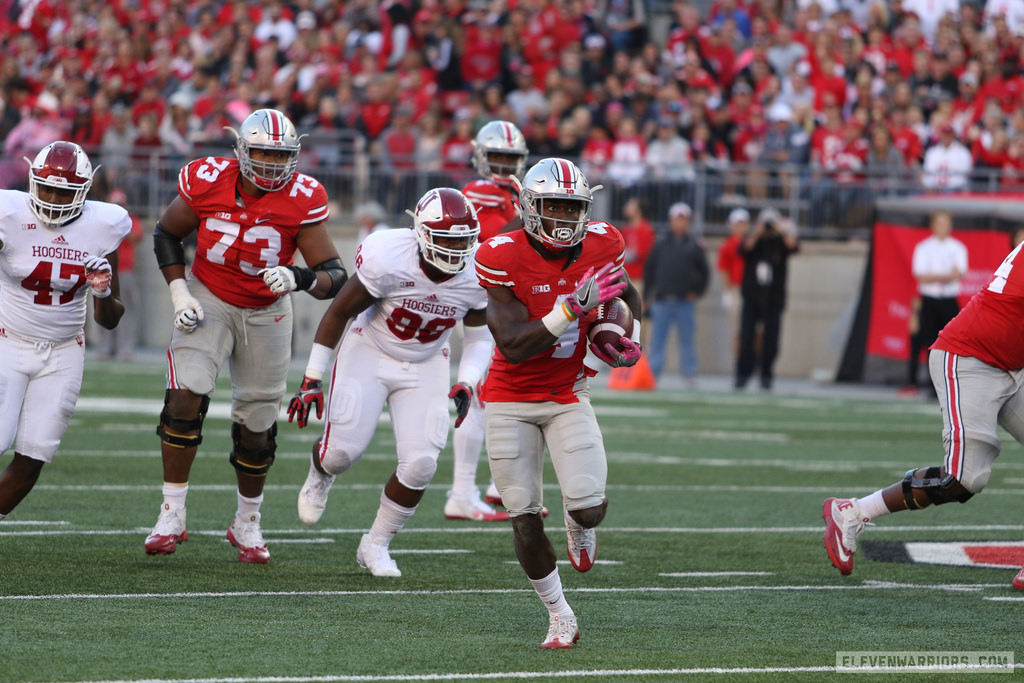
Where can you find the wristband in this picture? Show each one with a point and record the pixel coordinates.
(102, 295)
(179, 293)
(558, 320)
(319, 358)
(635, 337)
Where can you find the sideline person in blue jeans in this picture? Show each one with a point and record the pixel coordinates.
(675, 277)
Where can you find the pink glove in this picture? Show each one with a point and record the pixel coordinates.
(628, 357)
(594, 289)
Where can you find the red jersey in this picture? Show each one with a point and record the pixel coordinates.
(495, 205)
(510, 260)
(236, 242)
(988, 328)
(731, 261)
(638, 241)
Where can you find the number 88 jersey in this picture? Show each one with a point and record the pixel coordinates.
(413, 316)
(236, 238)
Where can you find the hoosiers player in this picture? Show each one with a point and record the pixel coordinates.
(411, 288)
(499, 156)
(55, 248)
(977, 367)
(541, 282)
(251, 215)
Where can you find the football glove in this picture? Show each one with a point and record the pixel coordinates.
(284, 279)
(462, 394)
(594, 289)
(187, 309)
(310, 393)
(97, 274)
(628, 357)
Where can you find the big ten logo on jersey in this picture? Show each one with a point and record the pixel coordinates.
(28, 226)
(540, 289)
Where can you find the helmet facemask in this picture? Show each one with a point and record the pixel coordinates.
(549, 179)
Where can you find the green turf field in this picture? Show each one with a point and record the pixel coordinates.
(711, 564)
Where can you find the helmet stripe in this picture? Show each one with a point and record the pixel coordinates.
(275, 125)
(507, 130)
(565, 171)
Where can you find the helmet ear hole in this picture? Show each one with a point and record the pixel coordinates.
(446, 229)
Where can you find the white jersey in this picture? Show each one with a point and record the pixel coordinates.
(414, 316)
(42, 279)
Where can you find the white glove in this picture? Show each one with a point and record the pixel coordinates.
(187, 310)
(280, 279)
(97, 274)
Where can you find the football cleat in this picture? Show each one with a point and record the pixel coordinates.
(244, 533)
(492, 497)
(1018, 581)
(582, 544)
(374, 556)
(168, 533)
(843, 524)
(313, 496)
(472, 508)
(563, 632)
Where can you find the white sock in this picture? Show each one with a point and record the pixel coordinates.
(249, 506)
(550, 591)
(174, 495)
(873, 506)
(467, 443)
(391, 517)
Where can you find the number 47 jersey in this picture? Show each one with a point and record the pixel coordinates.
(236, 241)
(42, 276)
(413, 316)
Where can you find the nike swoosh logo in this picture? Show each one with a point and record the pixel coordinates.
(841, 549)
(278, 318)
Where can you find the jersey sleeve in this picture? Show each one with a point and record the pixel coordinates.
(489, 259)
(309, 198)
(372, 259)
(198, 184)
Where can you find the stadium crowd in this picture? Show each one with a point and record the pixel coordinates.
(849, 97)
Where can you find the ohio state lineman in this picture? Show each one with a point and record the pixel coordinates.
(55, 248)
(541, 282)
(499, 156)
(251, 214)
(977, 367)
(411, 288)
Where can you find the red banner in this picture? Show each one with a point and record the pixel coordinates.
(893, 286)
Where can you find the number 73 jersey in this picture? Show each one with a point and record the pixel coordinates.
(42, 276)
(235, 242)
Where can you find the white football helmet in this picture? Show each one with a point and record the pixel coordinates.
(445, 213)
(64, 166)
(499, 137)
(555, 178)
(267, 129)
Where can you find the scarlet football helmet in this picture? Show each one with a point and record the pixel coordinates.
(267, 129)
(499, 137)
(445, 214)
(555, 178)
(64, 166)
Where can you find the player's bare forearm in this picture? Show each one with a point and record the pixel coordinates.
(516, 336)
(108, 312)
(318, 250)
(633, 299)
(352, 300)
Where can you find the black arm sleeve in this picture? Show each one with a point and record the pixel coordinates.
(337, 272)
(167, 247)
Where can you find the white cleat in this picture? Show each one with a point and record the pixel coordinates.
(472, 507)
(246, 535)
(375, 557)
(563, 632)
(581, 544)
(169, 531)
(313, 496)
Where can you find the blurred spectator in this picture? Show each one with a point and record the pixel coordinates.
(669, 167)
(179, 129)
(730, 265)
(675, 277)
(625, 23)
(527, 99)
(370, 216)
(120, 342)
(36, 130)
(886, 168)
(639, 237)
(766, 250)
(626, 167)
(117, 146)
(947, 164)
(396, 163)
(457, 151)
(786, 146)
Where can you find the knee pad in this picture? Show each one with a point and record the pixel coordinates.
(939, 488)
(170, 427)
(251, 461)
(415, 472)
(338, 459)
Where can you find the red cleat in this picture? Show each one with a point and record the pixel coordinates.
(244, 533)
(168, 533)
(843, 523)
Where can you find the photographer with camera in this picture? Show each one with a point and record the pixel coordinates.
(767, 249)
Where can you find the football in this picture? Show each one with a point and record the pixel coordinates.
(613, 321)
